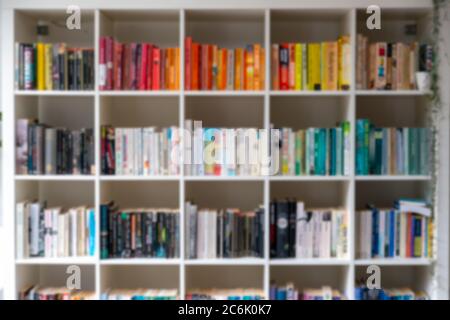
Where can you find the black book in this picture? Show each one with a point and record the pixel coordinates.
(282, 222)
(292, 227)
(273, 229)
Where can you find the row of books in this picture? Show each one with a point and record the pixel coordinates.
(390, 66)
(41, 149)
(296, 232)
(209, 67)
(395, 232)
(226, 294)
(225, 233)
(290, 292)
(362, 292)
(315, 151)
(51, 232)
(137, 66)
(139, 294)
(36, 292)
(47, 66)
(140, 151)
(392, 151)
(135, 233)
(312, 66)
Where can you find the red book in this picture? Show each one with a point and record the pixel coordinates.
(284, 66)
(117, 66)
(126, 66)
(102, 62)
(149, 66)
(209, 67)
(204, 60)
(143, 68)
(195, 65)
(133, 67)
(409, 236)
(109, 63)
(292, 66)
(187, 63)
(156, 68)
(224, 71)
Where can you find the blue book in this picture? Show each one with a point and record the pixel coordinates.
(92, 232)
(281, 294)
(332, 151)
(375, 228)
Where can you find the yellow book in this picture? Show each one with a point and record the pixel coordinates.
(48, 66)
(314, 66)
(298, 66)
(257, 66)
(40, 66)
(344, 63)
(177, 68)
(249, 69)
(329, 66)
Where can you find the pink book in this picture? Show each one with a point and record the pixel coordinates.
(187, 66)
(143, 69)
(102, 67)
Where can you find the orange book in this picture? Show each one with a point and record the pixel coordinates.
(263, 69)
(194, 81)
(177, 69)
(215, 67)
(249, 68)
(257, 67)
(275, 60)
(172, 79)
(223, 68)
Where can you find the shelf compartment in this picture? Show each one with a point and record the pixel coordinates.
(139, 111)
(305, 112)
(313, 276)
(139, 276)
(226, 111)
(50, 275)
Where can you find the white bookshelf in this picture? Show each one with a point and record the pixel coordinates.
(229, 23)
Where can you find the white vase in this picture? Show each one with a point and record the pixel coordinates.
(423, 80)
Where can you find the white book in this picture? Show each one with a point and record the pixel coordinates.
(198, 149)
(20, 229)
(326, 234)
(55, 231)
(415, 209)
(335, 224)
(188, 139)
(310, 229)
(61, 235)
(300, 237)
(73, 232)
(35, 209)
(118, 151)
(47, 233)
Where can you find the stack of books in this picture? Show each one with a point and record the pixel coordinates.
(140, 151)
(137, 66)
(312, 66)
(392, 151)
(41, 149)
(209, 67)
(225, 294)
(140, 294)
(47, 66)
(227, 233)
(137, 233)
(405, 231)
(36, 292)
(296, 232)
(390, 66)
(289, 292)
(54, 232)
(362, 292)
(315, 151)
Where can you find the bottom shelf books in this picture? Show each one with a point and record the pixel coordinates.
(134, 233)
(403, 231)
(289, 292)
(296, 232)
(54, 232)
(53, 293)
(223, 233)
(362, 292)
(226, 294)
(140, 294)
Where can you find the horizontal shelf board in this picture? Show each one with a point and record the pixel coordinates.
(138, 178)
(140, 93)
(55, 177)
(231, 261)
(393, 178)
(52, 93)
(53, 261)
(224, 178)
(395, 262)
(140, 261)
(210, 93)
(309, 262)
(309, 178)
(392, 93)
(309, 93)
